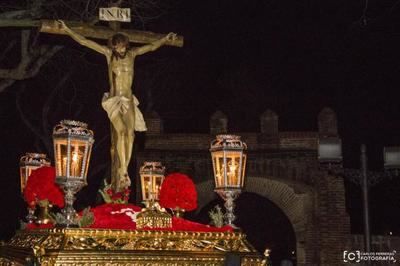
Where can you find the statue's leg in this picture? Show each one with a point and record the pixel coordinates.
(123, 177)
(115, 164)
(119, 144)
(131, 138)
(130, 134)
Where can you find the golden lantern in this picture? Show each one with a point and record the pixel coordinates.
(29, 162)
(228, 154)
(72, 149)
(151, 178)
(153, 216)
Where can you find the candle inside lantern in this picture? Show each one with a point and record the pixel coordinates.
(232, 177)
(147, 189)
(220, 175)
(75, 164)
(151, 176)
(157, 192)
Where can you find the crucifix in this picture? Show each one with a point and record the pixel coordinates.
(119, 103)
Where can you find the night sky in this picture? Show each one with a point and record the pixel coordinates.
(240, 57)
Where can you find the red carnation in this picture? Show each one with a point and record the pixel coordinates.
(41, 186)
(178, 191)
(109, 191)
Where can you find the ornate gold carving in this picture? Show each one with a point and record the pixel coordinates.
(26, 240)
(153, 217)
(7, 262)
(253, 262)
(53, 242)
(119, 247)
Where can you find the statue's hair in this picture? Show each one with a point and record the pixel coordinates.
(118, 39)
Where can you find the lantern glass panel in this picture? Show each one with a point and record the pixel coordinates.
(25, 172)
(151, 185)
(229, 169)
(72, 163)
(146, 184)
(152, 176)
(30, 162)
(244, 159)
(157, 185)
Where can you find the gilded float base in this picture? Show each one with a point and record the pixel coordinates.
(67, 247)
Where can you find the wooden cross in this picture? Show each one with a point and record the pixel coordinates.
(100, 32)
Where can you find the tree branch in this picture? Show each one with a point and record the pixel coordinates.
(44, 57)
(31, 61)
(4, 84)
(18, 14)
(7, 49)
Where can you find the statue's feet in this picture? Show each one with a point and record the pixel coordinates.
(127, 180)
(124, 179)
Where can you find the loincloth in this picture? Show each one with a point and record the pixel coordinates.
(118, 105)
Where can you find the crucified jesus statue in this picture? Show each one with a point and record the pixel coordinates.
(119, 103)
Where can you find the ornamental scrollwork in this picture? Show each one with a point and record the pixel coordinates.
(53, 242)
(150, 243)
(26, 240)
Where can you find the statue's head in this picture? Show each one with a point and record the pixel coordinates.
(119, 44)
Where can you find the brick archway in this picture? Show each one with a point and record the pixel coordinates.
(282, 166)
(296, 204)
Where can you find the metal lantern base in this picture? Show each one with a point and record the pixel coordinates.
(70, 186)
(30, 217)
(229, 195)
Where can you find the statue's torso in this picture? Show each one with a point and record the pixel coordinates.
(122, 74)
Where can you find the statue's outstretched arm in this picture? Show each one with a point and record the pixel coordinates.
(82, 40)
(155, 45)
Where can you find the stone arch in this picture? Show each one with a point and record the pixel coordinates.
(293, 199)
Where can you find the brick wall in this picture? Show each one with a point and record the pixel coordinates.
(282, 166)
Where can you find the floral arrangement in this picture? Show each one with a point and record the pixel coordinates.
(123, 216)
(109, 196)
(41, 188)
(178, 191)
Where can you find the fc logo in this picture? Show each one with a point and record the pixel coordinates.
(351, 256)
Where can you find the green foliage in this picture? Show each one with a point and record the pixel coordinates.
(109, 196)
(216, 216)
(22, 225)
(87, 218)
(103, 192)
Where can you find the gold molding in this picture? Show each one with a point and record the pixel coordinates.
(127, 247)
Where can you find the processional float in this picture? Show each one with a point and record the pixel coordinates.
(119, 233)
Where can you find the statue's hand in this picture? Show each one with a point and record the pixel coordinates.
(171, 37)
(61, 24)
